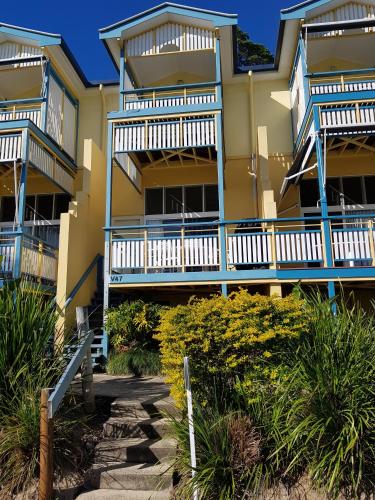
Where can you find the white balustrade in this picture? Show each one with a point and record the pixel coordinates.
(251, 248)
(347, 115)
(351, 245)
(50, 166)
(38, 260)
(172, 134)
(10, 147)
(167, 101)
(166, 253)
(21, 114)
(6, 256)
(335, 87)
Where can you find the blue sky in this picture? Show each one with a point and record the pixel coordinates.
(79, 20)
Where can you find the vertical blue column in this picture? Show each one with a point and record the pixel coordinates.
(108, 222)
(46, 82)
(323, 201)
(122, 79)
(220, 166)
(302, 53)
(21, 203)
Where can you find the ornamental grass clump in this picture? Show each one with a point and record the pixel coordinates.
(326, 406)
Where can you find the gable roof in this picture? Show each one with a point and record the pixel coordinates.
(216, 18)
(300, 10)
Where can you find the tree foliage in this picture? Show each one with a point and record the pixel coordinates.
(251, 53)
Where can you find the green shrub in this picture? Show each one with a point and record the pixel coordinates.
(246, 336)
(138, 362)
(133, 324)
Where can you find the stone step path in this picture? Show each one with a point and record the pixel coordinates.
(133, 461)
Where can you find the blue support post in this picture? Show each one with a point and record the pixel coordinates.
(108, 222)
(302, 53)
(122, 80)
(21, 203)
(323, 202)
(43, 120)
(220, 168)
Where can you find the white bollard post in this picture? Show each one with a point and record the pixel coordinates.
(193, 458)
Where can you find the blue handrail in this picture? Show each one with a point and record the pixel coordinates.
(242, 221)
(96, 261)
(32, 100)
(322, 74)
(170, 87)
(70, 371)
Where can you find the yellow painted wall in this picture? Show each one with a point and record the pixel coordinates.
(81, 234)
(237, 134)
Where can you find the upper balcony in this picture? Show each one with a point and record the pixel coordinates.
(334, 72)
(169, 60)
(32, 90)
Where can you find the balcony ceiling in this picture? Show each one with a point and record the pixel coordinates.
(151, 69)
(15, 83)
(348, 48)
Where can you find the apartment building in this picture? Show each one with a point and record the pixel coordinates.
(191, 174)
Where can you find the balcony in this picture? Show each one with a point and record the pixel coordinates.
(23, 109)
(169, 99)
(40, 156)
(256, 250)
(31, 258)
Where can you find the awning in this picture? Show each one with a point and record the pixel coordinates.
(297, 170)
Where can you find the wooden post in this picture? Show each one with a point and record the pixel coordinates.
(273, 247)
(87, 380)
(46, 449)
(371, 240)
(40, 261)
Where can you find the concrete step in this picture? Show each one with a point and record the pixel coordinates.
(135, 450)
(121, 427)
(125, 495)
(130, 476)
(122, 407)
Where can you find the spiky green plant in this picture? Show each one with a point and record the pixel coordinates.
(326, 405)
(138, 362)
(28, 363)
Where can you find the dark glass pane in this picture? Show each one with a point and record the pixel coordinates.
(309, 192)
(30, 207)
(154, 201)
(370, 188)
(8, 208)
(44, 206)
(61, 204)
(173, 200)
(352, 187)
(333, 191)
(211, 199)
(194, 199)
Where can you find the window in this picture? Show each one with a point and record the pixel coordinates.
(44, 207)
(352, 187)
(370, 189)
(173, 200)
(181, 199)
(333, 191)
(194, 199)
(61, 204)
(309, 192)
(38, 207)
(211, 198)
(154, 201)
(8, 208)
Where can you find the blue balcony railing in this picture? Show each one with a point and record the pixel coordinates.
(296, 243)
(34, 259)
(170, 96)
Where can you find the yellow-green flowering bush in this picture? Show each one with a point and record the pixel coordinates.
(228, 337)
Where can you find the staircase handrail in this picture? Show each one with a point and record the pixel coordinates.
(98, 258)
